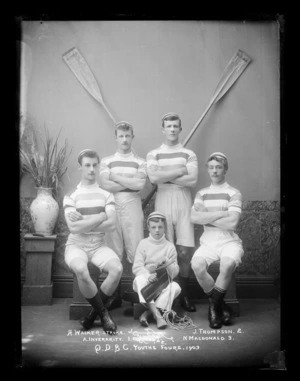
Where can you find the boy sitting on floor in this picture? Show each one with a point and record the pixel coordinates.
(151, 253)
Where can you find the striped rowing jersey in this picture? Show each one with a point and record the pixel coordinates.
(128, 164)
(89, 200)
(218, 198)
(166, 156)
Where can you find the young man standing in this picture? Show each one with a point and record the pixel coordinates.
(175, 170)
(217, 207)
(90, 213)
(124, 174)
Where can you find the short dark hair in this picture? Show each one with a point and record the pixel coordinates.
(88, 153)
(156, 219)
(124, 128)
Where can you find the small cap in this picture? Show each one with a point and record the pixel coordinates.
(170, 114)
(83, 152)
(123, 123)
(221, 156)
(155, 215)
(218, 154)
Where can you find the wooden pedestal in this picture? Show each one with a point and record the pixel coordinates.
(37, 289)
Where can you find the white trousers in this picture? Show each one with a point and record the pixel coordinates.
(129, 228)
(165, 299)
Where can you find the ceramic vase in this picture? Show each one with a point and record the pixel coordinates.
(44, 212)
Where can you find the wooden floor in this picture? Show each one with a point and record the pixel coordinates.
(51, 340)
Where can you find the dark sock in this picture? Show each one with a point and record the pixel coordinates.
(108, 324)
(118, 289)
(218, 295)
(104, 297)
(183, 282)
(97, 302)
(210, 293)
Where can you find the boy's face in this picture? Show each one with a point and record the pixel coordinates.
(156, 229)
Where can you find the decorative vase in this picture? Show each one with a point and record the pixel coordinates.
(44, 212)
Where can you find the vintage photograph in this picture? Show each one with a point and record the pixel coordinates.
(150, 193)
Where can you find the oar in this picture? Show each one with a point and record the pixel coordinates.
(74, 59)
(231, 73)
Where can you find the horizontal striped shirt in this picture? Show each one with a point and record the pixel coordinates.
(89, 200)
(123, 164)
(172, 156)
(218, 198)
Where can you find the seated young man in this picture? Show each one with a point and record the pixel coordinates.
(90, 213)
(217, 207)
(150, 254)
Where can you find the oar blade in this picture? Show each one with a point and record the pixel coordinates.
(231, 73)
(83, 73)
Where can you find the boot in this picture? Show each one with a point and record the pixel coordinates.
(184, 301)
(226, 314)
(109, 326)
(214, 314)
(88, 321)
(111, 302)
(160, 321)
(115, 300)
(144, 318)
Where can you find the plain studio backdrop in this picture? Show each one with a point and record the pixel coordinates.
(148, 68)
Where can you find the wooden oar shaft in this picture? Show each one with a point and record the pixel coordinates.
(109, 113)
(211, 103)
(187, 139)
(219, 93)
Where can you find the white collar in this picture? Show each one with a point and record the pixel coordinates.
(94, 185)
(157, 241)
(224, 185)
(165, 146)
(124, 154)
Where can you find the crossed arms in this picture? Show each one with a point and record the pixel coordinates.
(78, 223)
(221, 219)
(113, 182)
(177, 174)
